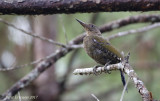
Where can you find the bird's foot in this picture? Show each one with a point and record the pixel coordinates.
(94, 70)
(105, 67)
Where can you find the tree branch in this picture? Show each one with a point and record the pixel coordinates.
(34, 73)
(130, 20)
(145, 94)
(133, 31)
(33, 7)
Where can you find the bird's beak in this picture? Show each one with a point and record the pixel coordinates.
(83, 24)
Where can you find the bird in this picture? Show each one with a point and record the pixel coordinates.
(100, 49)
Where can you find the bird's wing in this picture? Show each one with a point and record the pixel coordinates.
(106, 47)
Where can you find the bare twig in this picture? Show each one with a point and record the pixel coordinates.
(19, 95)
(124, 89)
(105, 94)
(95, 97)
(33, 34)
(86, 71)
(25, 65)
(31, 63)
(133, 31)
(145, 94)
(129, 20)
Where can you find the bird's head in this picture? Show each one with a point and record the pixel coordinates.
(90, 28)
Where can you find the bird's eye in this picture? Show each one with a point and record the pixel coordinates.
(92, 26)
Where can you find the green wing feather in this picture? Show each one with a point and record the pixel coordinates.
(105, 43)
(101, 50)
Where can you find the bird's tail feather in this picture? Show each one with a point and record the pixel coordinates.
(123, 79)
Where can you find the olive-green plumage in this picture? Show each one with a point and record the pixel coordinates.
(99, 49)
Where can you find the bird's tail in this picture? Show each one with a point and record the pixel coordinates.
(123, 79)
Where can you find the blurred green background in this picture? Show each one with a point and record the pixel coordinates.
(16, 49)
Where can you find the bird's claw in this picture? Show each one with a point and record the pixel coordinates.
(105, 68)
(94, 70)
